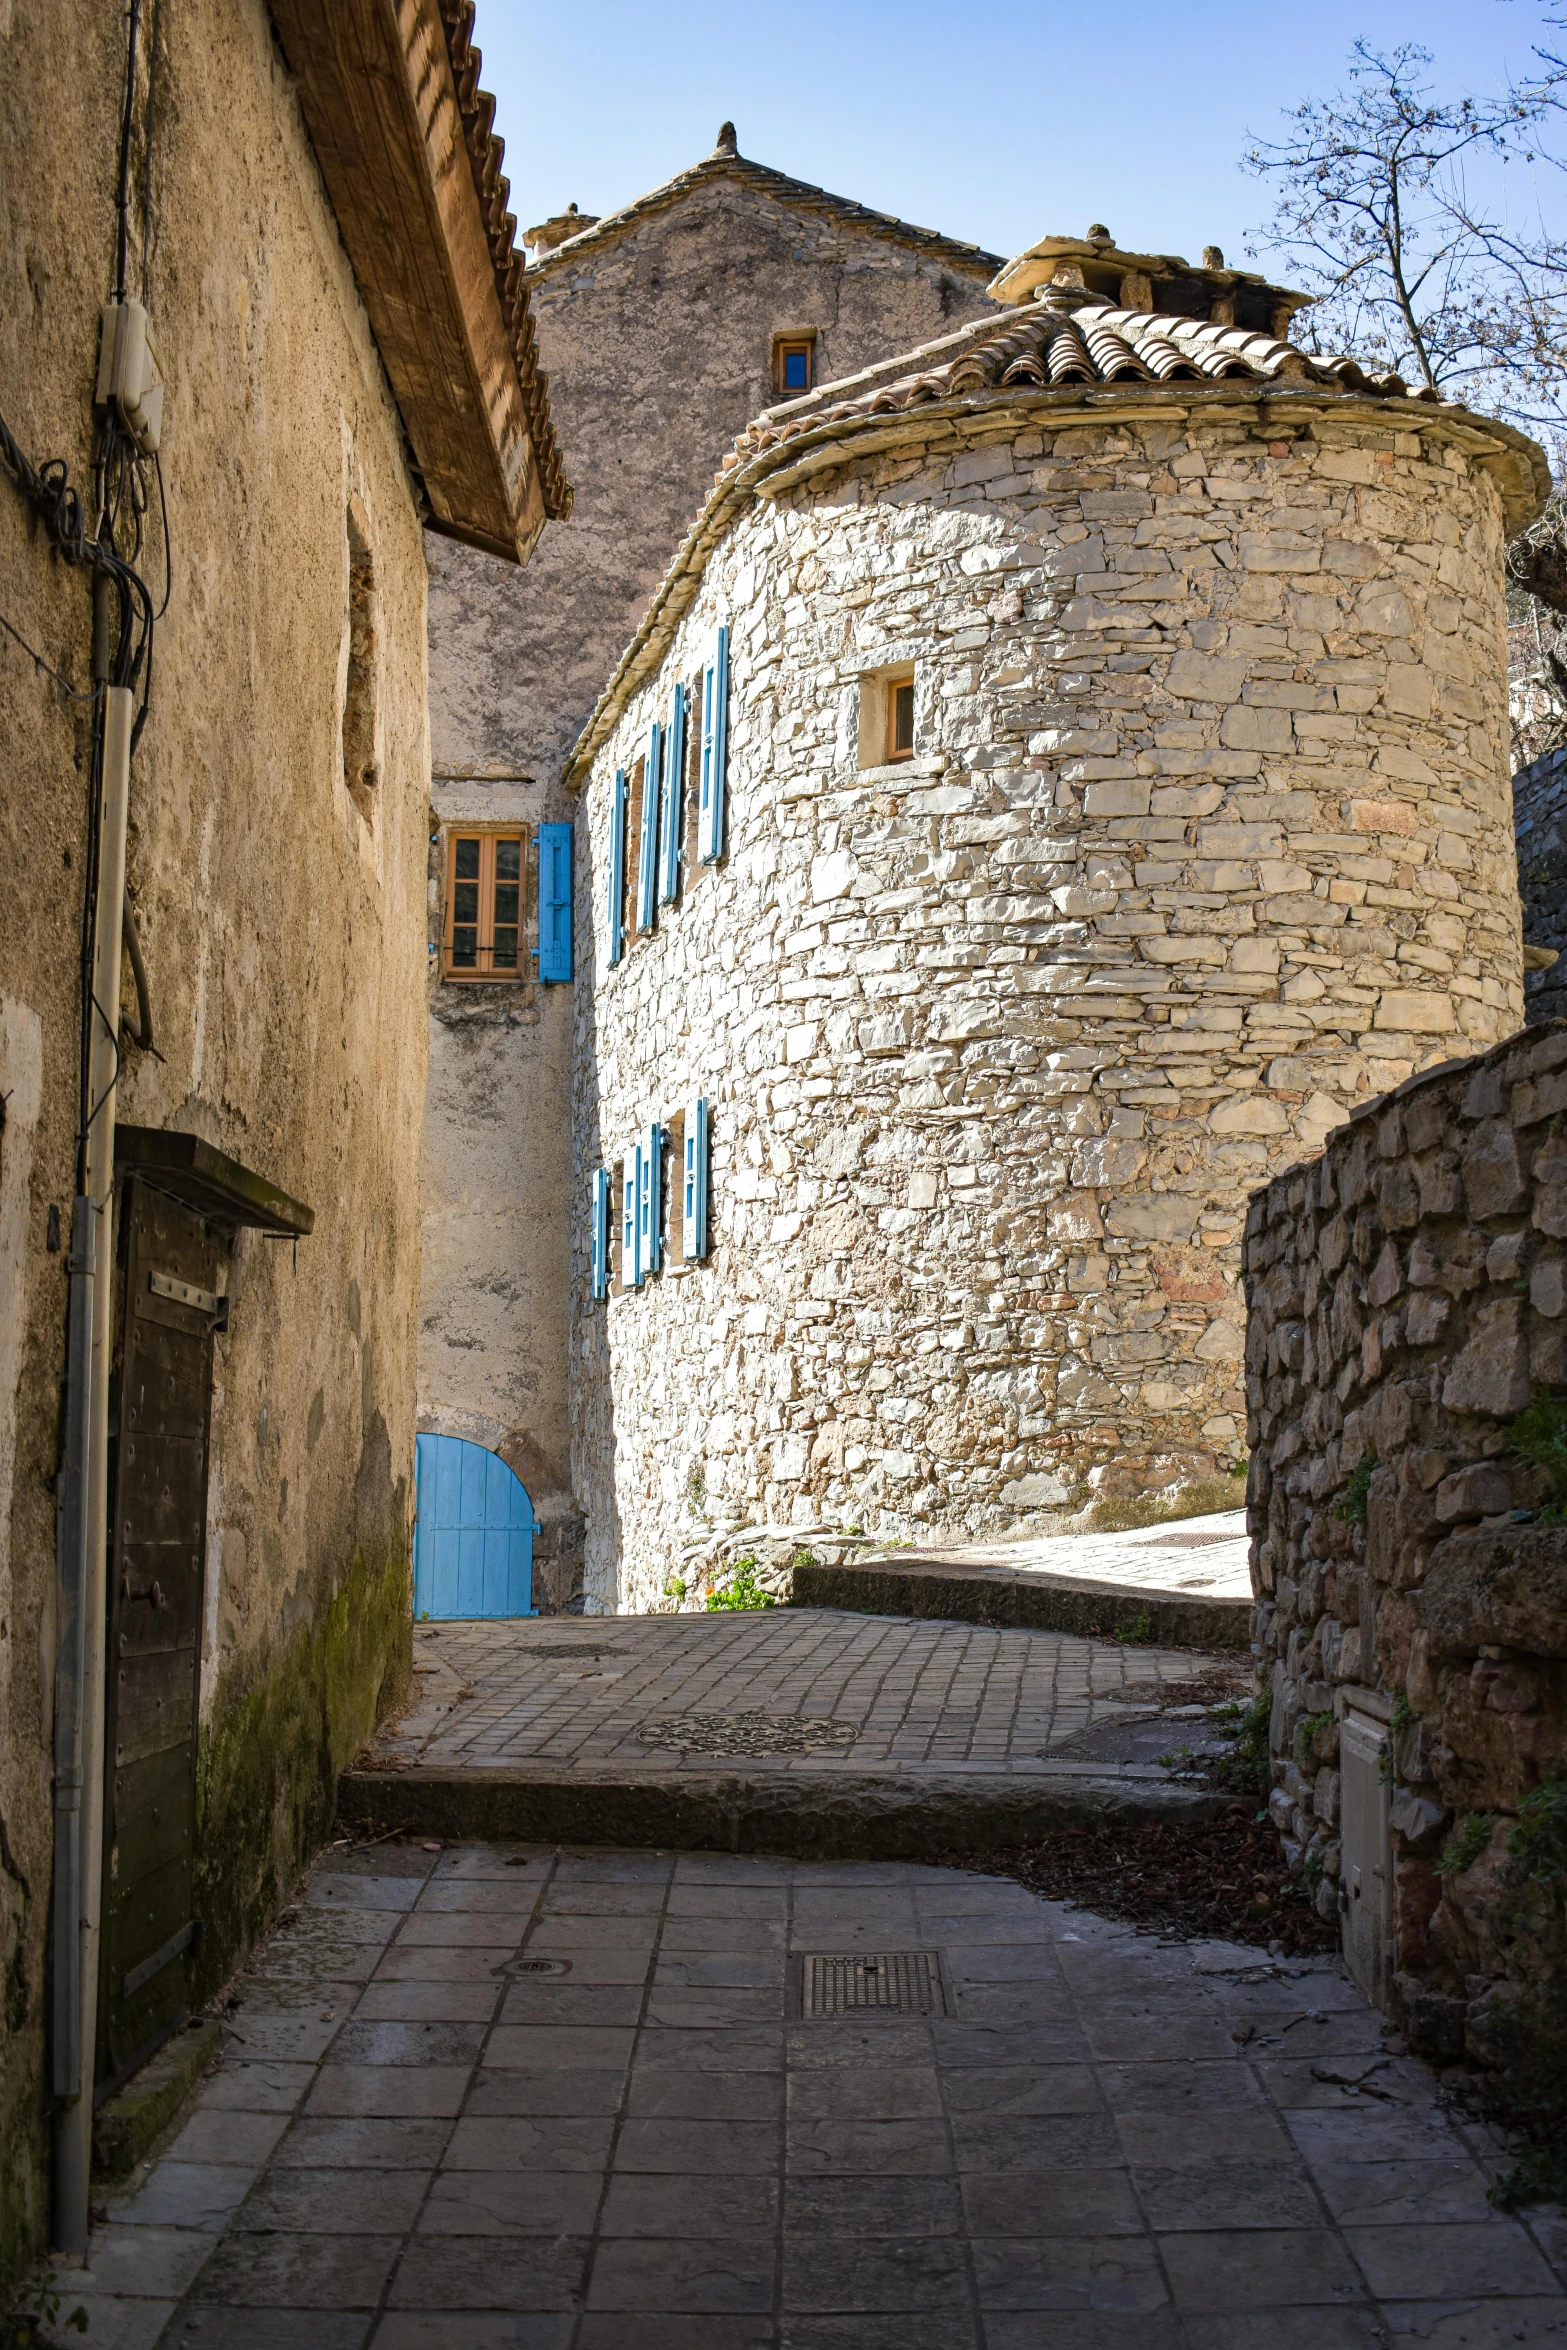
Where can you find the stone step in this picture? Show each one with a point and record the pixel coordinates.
(830, 1814)
(956, 1591)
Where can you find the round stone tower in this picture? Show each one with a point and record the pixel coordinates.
(1115, 791)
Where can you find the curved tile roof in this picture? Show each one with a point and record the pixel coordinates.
(1064, 348)
(1062, 340)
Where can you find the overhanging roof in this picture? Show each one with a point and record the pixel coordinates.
(402, 131)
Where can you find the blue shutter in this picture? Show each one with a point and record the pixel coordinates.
(630, 1222)
(647, 860)
(715, 746)
(554, 948)
(651, 1204)
(672, 820)
(694, 1205)
(617, 868)
(601, 1214)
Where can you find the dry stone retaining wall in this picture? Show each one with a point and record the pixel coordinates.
(1408, 1296)
(1207, 836)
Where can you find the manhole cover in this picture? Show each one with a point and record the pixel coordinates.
(539, 1656)
(744, 1733)
(899, 1982)
(516, 1968)
(1192, 1541)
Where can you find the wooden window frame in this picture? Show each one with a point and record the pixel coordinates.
(488, 835)
(895, 682)
(804, 340)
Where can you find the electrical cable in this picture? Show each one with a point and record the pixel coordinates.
(146, 177)
(122, 201)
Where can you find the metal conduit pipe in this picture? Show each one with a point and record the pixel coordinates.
(84, 1528)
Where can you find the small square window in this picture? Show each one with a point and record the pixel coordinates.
(484, 880)
(794, 364)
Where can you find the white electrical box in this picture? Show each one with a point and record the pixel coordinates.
(129, 377)
(1365, 1798)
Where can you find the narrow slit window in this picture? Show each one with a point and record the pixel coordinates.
(484, 912)
(900, 717)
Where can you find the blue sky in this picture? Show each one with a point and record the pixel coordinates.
(999, 122)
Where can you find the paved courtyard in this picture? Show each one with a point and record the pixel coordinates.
(884, 1693)
(490, 2096)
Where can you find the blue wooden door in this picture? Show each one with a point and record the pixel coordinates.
(473, 1533)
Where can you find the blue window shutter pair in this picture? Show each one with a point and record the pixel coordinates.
(617, 868)
(672, 813)
(694, 1203)
(715, 747)
(650, 1198)
(630, 1225)
(554, 947)
(647, 859)
(601, 1215)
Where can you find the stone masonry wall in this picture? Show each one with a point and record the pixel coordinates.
(1207, 836)
(1540, 819)
(1408, 1295)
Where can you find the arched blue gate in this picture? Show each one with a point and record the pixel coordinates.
(473, 1533)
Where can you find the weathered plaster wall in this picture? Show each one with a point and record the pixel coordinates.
(1408, 1295)
(283, 935)
(1208, 836)
(494, 1176)
(658, 348)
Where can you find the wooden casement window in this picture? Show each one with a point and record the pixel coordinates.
(899, 691)
(484, 911)
(794, 365)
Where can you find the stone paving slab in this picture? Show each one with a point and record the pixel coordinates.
(899, 1697)
(1106, 2143)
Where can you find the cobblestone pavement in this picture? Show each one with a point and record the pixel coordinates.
(415, 2142)
(1207, 1555)
(916, 1696)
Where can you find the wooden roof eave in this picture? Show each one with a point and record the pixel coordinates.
(379, 97)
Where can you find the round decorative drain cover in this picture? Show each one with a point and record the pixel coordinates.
(752, 1733)
(517, 1967)
(547, 1655)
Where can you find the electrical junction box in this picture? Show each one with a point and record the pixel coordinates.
(129, 377)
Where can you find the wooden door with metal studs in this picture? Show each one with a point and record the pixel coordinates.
(160, 1406)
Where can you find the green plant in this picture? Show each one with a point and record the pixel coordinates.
(804, 1558)
(742, 1590)
(1463, 1850)
(696, 1485)
(1306, 1731)
(1540, 1434)
(27, 2324)
(1246, 1769)
(1141, 1632)
(1355, 1501)
(676, 1588)
(1404, 1714)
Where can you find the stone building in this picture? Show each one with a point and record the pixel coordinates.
(327, 388)
(665, 327)
(1116, 791)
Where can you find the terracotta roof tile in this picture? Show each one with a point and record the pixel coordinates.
(485, 155)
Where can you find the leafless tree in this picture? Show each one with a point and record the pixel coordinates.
(1426, 229)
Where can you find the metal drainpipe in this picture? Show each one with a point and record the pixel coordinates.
(84, 1530)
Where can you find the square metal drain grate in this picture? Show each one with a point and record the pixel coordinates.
(896, 1982)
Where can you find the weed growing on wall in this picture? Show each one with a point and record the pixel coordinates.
(1527, 2031)
(1465, 1848)
(1355, 1500)
(740, 1590)
(1540, 1434)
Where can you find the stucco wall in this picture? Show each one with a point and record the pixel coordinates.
(1208, 836)
(283, 935)
(658, 346)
